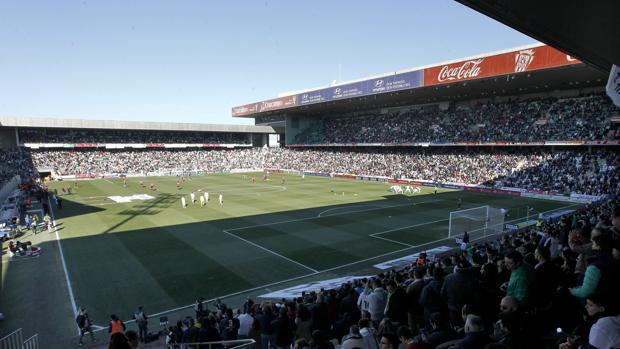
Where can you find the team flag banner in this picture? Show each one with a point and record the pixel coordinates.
(315, 286)
(613, 85)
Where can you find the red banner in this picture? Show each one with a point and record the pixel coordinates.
(86, 145)
(268, 105)
(610, 142)
(245, 109)
(535, 58)
(278, 103)
(493, 191)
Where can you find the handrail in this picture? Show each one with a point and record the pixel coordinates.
(13, 340)
(231, 344)
(32, 342)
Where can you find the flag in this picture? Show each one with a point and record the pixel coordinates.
(613, 85)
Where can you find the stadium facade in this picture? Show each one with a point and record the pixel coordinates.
(528, 72)
(76, 133)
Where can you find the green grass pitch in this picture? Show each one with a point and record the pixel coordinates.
(159, 255)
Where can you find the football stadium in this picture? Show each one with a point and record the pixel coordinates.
(471, 203)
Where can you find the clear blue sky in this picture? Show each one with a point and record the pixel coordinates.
(191, 61)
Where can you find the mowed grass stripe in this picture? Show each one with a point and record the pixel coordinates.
(107, 279)
(185, 272)
(316, 246)
(119, 260)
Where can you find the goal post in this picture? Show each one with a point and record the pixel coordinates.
(477, 221)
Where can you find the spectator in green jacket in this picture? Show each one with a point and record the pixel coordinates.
(601, 270)
(521, 284)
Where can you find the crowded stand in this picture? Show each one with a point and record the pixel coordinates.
(555, 285)
(62, 135)
(146, 160)
(564, 171)
(14, 162)
(521, 121)
(551, 285)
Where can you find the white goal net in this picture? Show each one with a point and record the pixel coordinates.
(478, 221)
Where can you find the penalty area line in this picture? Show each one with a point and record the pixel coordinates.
(270, 251)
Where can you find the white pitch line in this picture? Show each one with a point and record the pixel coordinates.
(219, 297)
(393, 241)
(377, 207)
(409, 226)
(62, 259)
(314, 273)
(344, 208)
(270, 251)
(338, 214)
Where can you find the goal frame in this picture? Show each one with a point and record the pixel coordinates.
(485, 217)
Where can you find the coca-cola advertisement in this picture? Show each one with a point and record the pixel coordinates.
(278, 103)
(541, 57)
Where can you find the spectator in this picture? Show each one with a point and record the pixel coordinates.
(406, 337)
(430, 298)
(284, 330)
(115, 325)
(354, 339)
(600, 275)
(547, 279)
(415, 311)
(388, 341)
(265, 318)
(440, 332)
(303, 323)
(368, 333)
(521, 283)
(397, 303)
(245, 323)
(605, 333)
(142, 320)
(85, 325)
(475, 336)
(460, 288)
(376, 302)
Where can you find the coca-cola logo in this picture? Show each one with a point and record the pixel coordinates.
(467, 70)
(272, 104)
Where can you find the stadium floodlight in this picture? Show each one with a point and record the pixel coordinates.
(477, 221)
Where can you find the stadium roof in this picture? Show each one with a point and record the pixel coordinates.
(586, 30)
(520, 70)
(128, 125)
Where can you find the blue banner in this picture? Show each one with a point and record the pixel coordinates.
(385, 84)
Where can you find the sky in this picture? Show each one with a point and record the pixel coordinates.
(192, 61)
